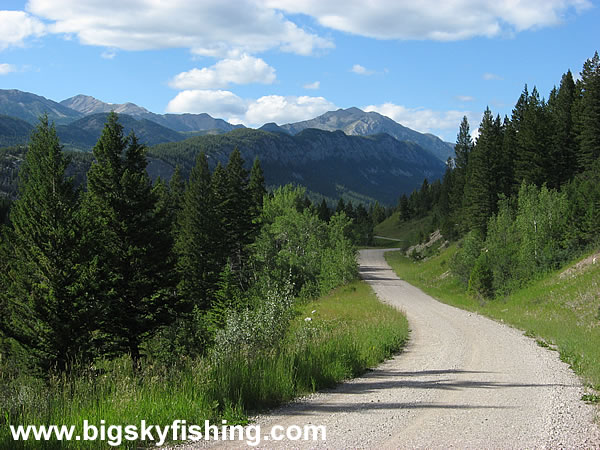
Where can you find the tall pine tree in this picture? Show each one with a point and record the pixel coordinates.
(47, 309)
(564, 145)
(132, 241)
(462, 149)
(480, 198)
(199, 257)
(588, 113)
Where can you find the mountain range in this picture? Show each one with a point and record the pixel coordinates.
(351, 153)
(330, 163)
(85, 104)
(356, 122)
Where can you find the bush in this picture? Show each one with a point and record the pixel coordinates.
(541, 225)
(465, 258)
(249, 331)
(502, 243)
(481, 279)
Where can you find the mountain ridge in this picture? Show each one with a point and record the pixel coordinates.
(328, 162)
(178, 122)
(356, 122)
(29, 107)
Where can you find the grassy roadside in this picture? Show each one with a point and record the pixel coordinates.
(349, 331)
(560, 309)
(409, 232)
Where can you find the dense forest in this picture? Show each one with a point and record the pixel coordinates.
(121, 265)
(525, 197)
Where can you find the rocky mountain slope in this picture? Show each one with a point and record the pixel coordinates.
(29, 107)
(84, 133)
(330, 163)
(356, 122)
(177, 122)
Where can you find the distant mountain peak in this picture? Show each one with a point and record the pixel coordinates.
(87, 104)
(29, 107)
(356, 122)
(351, 110)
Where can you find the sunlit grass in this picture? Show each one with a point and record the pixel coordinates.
(349, 331)
(410, 232)
(560, 311)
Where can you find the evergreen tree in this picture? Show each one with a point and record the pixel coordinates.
(363, 226)
(341, 206)
(480, 190)
(132, 242)
(378, 213)
(323, 211)
(198, 256)
(349, 210)
(403, 208)
(220, 201)
(462, 149)
(588, 116)
(533, 141)
(176, 189)
(506, 160)
(4, 209)
(564, 145)
(240, 214)
(443, 203)
(256, 188)
(47, 309)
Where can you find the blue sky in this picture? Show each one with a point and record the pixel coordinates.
(424, 64)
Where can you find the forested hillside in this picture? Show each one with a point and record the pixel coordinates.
(329, 163)
(526, 195)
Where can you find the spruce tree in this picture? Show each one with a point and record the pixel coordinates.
(240, 209)
(323, 211)
(47, 308)
(403, 208)
(221, 203)
(588, 116)
(480, 189)
(132, 241)
(533, 141)
(506, 160)
(176, 192)
(198, 256)
(462, 149)
(564, 145)
(256, 188)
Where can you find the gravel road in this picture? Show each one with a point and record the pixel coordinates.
(463, 381)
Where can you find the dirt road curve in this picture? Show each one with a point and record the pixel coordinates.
(464, 381)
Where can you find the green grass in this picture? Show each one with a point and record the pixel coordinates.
(559, 312)
(410, 232)
(349, 332)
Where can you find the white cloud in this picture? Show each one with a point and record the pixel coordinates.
(207, 27)
(313, 86)
(421, 119)
(16, 26)
(279, 109)
(360, 70)
(433, 19)
(243, 70)
(7, 68)
(220, 104)
(108, 54)
(464, 98)
(251, 112)
(491, 76)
